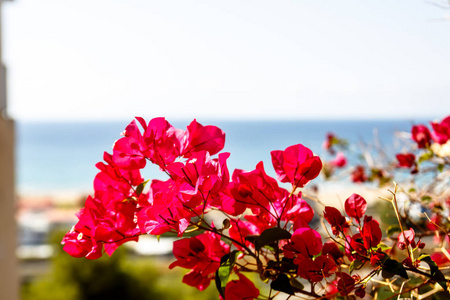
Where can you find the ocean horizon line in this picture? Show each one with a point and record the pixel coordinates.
(230, 120)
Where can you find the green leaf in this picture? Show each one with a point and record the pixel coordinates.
(129, 199)
(356, 264)
(440, 167)
(426, 156)
(392, 267)
(392, 229)
(412, 190)
(383, 247)
(223, 273)
(384, 292)
(296, 285)
(434, 271)
(426, 198)
(282, 284)
(140, 188)
(268, 236)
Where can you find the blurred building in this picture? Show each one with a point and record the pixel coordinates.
(9, 282)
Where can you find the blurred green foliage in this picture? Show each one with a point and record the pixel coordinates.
(117, 277)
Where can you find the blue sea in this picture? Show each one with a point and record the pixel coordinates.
(58, 157)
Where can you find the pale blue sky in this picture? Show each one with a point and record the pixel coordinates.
(114, 59)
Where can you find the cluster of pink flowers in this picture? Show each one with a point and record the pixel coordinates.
(122, 209)
(421, 135)
(266, 229)
(440, 133)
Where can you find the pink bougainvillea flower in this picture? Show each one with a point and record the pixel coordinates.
(201, 176)
(407, 238)
(339, 161)
(345, 283)
(199, 137)
(406, 160)
(421, 135)
(329, 142)
(358, 174)
(198, 279)
(441, 131)
(239, 230)
(371, 232)
(295, 208)
(360, 292)
(440, 258)
(225, 202)
(78, 245)
(355, 206)
(202, 255)
(354, 248)
(113, 184)
(335, 219)
(330, 249)
(305, 242)
(163, 142)
(165, 211)
(377, 257)
(255, 188)
(129, 152)
(242, 289)
(101, 227)
(317, 269)
(296, 165)
(160, 143)
(113, 228)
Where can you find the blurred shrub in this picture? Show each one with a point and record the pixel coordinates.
(115, 277)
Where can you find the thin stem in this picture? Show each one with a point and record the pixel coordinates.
(394, 204)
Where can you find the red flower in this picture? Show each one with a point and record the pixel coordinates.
(255, 188)
(335, 219)
(199, 137)
(239, 230)
(242, 289)
(99, 227)
(440, 258)
(305, 242)
(79, 245)
(441, 133)
(202, 254)
(160, 143)
(421, 135)
(407, 238)
(200, 178)
(331, 249)
(339, 161)
(354, 247)
(377, 257)
(345, 284)
(296, 164)
(406, 160)
(112, 184)
(355, 206)
(371, 233)
(296, 210)
(227, 203)
(165, 212)
(358, 174)
(329, 142)
(360, 292)
(198, 279)
(315, 270)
